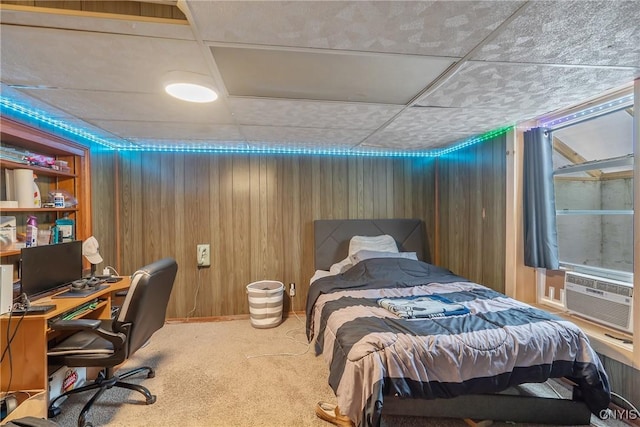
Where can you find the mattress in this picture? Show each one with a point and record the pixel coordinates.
(499, 343)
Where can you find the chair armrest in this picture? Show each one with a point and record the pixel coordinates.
(75, 324)
(91, 326)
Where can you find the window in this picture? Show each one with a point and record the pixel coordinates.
(593, 162)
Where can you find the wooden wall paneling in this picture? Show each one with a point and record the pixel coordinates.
(214, 273)
(241, 234)
(191, 218)
(104, 205)
(307, 215)
(340, 188)
(257, 213)
(227, 237)
(429, 211)
(166, 208)
(624, 379)
(275, 230)
(183, 286)
(133, 8)
(397, 181)
(151, 214)
(257, 197)
(474, 177)
(494, 194)
(291, 230)
(367, 188)
(325, 166)
(127, 213)
(470, 180)
(199, 227)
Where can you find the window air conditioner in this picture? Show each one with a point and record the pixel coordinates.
(606, 301)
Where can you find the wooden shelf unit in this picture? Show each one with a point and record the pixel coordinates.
(75, 182)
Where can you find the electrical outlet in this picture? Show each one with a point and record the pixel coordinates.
(292, 289)
(204, 255)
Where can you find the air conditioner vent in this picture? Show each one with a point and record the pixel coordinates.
(606, 301)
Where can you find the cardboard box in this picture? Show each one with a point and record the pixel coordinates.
(8, 231)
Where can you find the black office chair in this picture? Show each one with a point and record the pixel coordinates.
(108, 343)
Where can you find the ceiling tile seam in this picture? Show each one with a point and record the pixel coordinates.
(312, 101)
(297, 49)
(555, 65)
(208, 57)
(453, 69)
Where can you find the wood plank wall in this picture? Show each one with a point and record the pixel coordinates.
(256, 211)
(471, 212)
(133, 8)
(104, 203)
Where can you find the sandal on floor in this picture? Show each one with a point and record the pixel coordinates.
(330, 412)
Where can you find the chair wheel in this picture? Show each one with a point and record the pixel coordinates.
(54, 412)
(151, 400)
(151, 374)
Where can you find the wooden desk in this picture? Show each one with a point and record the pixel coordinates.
(27, 370)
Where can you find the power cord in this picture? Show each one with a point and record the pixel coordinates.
(115, 272)
(10, 338)
(195, 296)
(626, 402)
(302, 327)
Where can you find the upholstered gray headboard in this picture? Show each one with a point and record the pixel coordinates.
(332, 236)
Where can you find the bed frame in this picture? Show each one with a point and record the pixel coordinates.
(517, 404)
(331, 237)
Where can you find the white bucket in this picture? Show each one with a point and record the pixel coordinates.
(265, 303)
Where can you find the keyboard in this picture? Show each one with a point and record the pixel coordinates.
(34, 309)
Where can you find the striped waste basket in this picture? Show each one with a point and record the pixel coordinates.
(265, 303)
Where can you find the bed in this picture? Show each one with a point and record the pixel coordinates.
(381, 358)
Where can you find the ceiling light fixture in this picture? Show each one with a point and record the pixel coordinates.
(190, 87)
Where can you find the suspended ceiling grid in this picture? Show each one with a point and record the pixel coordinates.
(351, 76)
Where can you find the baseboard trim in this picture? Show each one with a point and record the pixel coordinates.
(223, 318)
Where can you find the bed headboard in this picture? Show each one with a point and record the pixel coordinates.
(332, 236)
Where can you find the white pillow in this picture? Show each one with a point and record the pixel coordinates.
(340, 267)
(362, 255)
(383, 243)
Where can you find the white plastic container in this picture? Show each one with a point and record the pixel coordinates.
(58, 200)
(265, 303)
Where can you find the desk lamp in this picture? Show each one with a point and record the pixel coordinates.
(90, 252)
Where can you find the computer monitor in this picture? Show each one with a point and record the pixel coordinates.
(46, 268)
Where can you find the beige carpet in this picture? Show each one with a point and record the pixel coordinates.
(225, 374)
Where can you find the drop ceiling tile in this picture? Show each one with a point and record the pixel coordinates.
(93, 61)
(413, 140)
(315, 114)
(570, 32)
(444, 120)
(314, 136)
(100, 106)
(171, 131)
(443, 28)
(524, 90)
(329, 76)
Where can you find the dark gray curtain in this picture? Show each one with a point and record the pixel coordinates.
(540, 235)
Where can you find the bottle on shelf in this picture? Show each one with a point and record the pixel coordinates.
(32, 231)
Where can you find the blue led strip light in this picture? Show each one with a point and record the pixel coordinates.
(19, 112)
(596, 110)
(28, 115)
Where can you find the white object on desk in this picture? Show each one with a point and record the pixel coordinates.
(6, 288)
